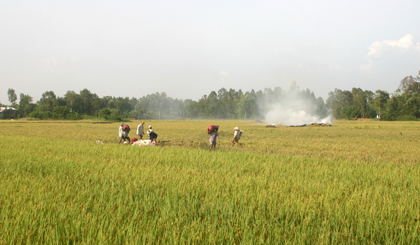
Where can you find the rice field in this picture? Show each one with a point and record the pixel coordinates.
(353, 182)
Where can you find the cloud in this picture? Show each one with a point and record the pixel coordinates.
(379, 48)
(390, 47)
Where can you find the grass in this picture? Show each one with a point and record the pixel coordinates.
(283, 185)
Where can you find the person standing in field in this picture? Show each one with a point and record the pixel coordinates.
(140, 130)
(237, 135)
(153, 136)
(123, 134)
(213, 135)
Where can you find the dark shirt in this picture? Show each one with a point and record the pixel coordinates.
(153, 135)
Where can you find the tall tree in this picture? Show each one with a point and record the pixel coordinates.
(73, 101)
(391, 110)
(90, 102)
(25, 105)
(122, 105)
(213, 105)
(12, 96)
(380, 99)
(407, 99)
(47, 101)
(410, 85)
(363, 100)
(338, 101)
(247, 106)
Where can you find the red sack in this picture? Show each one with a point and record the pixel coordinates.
(133, 140)
(212, 128)
(126, 127)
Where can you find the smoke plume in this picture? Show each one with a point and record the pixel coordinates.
(295, 107)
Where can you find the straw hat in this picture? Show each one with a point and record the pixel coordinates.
(150, 126)
(236, 128)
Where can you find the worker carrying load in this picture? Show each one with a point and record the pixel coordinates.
(237, 135)
(126, 128)
(123, 132)
(212, 130)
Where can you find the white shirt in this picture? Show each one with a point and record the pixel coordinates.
(140, 130)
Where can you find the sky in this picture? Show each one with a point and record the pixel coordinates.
(189, 48)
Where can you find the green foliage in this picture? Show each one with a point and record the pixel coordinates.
(247, 106)
(46, 102)
(105, 113)
(409, 104)
(108, 114)
(391, 110)
(61, 112)
(41, 115)
(25, 105)
(357, 103)
(380, 100)
(351, 112)
(12, 96)
(115, 116)
(403, 104)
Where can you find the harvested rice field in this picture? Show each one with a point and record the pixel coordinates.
(354, 182)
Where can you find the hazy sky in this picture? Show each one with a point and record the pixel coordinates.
(189, 48)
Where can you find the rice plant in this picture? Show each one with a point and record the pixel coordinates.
(349, 183)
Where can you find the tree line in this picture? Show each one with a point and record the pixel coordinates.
(223, 104)
(404, 104)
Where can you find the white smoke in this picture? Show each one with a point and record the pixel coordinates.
(294, 108)
(280, 114)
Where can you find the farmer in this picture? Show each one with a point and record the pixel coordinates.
(140, 130)
(153, 136)
(237, 135)
(213, 135)
(123, 133)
